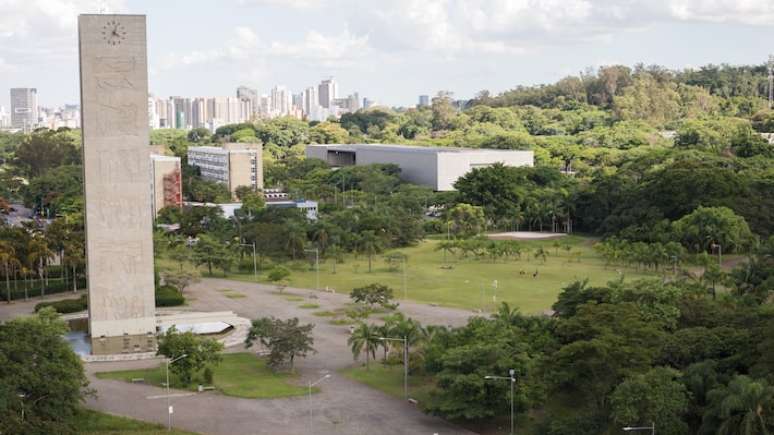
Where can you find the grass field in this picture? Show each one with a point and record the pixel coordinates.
(97, 423)
(389, 379)
(465, 283)
(239, 375)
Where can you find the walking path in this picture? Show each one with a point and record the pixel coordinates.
(342, 406)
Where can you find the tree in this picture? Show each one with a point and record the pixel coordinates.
(278, 274)
(706, 226)
(365, 339)
(285, 339)
(42, 151)
(181, 280)
(328, 132)
(466, 220)
(372, 294)
(41, 377)
(199, 353)
(370, 244)
(744, 407)
(8, 260)
(210, 251)
(655, 396)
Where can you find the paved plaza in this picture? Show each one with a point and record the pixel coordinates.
(342, 406)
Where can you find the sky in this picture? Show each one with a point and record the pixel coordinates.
(388, 50)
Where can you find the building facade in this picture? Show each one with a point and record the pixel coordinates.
(435, 167)
(24, 108)
(234, 164)
(166, 183)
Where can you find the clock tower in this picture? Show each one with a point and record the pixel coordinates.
(119, 242)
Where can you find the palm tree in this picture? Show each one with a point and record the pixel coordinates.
(296, 239)
(370, 244)
(8, 259)
(743, 407)
(365, 338)
(506, 314)
(38, 255)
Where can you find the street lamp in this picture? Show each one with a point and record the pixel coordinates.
(720, 252)
(169, 407)
(405, 293)
(651, 428)
(316, 264)
(512, 379)
(255, 264)
(312, 384)
(405, 361)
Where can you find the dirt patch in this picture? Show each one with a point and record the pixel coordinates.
(525, 235)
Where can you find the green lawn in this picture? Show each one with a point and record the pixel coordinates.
(239, 375)
(468, 283)
(98, 423)
(389, 379)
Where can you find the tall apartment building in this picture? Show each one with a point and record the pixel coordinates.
(166, 183)
(327, 92)
(248, 94)
(24, 108)
(235, 164)
(424, 101)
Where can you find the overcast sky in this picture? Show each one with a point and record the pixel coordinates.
(388, 50)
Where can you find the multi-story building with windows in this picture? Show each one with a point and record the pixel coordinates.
(24, 108)
(166, 183)
(235, 164)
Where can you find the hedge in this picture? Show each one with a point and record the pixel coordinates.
(168, 296)
(65, 306)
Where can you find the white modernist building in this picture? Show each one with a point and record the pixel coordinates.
(435, 167)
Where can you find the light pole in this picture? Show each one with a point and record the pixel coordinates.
(312, 384)
(405, 294)
(720, 252)
(651, 428)
(169, 407)
(316, 264)
(255, 264)
(512, 379)
(405, 361)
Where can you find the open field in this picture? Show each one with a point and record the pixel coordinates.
(98, 423)
(239, 375)
(465, 283)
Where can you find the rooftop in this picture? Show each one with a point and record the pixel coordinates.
(407, 148)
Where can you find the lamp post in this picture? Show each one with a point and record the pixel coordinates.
(720, 252)
(405, 293)
(512, 379)
(651, 428)
(312, 384)
(405, 361)
(169, 407)
(255, 264)
(316, 265)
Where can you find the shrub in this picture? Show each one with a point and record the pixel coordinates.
(65, 306)
(168, 296)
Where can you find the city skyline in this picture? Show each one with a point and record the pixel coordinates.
(390, 52)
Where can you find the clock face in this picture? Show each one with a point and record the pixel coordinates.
(113, 32)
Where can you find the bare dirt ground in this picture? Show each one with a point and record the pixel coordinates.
(525, 235)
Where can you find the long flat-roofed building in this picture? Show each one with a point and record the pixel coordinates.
(234, 164)
(435, 167)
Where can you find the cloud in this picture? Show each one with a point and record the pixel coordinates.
(317, 46)
(293, 4)
(755, 12)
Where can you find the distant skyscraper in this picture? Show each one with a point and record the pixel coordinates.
(280, 101)
(368, 103)
(311, 101)
(5, 118)
(424, 101)
(327, 92)
(24, 108)
(249, 94)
